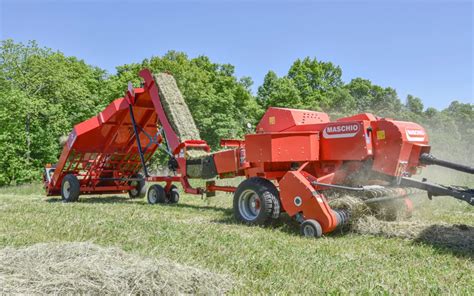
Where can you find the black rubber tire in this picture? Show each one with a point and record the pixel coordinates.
(173, 195)
(70, 188)
(140, 190)
(266, 197)
(276, 204)
(156, 194)
(311, 229)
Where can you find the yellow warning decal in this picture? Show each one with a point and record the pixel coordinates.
(271, 120)
(380, 135)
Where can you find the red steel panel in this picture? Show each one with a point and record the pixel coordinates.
(282, 147)
(227, 161)
(108, 141)
(294, 185)
(346, 141)
(282, 119)
(394, 141)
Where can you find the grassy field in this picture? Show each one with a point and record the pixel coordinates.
(272, 260)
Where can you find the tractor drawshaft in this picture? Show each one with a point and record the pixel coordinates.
(429, 159)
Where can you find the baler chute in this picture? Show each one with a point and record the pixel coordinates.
(292, 163)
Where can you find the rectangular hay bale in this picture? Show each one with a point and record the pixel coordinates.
(175, 107)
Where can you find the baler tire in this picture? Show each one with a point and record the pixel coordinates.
(173, 195)
(276, 204)
(70, 188)
(140, 191)
(257, 208)
(156, 194)
(311, 229)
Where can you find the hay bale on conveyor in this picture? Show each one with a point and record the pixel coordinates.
(182, 121)
(175, 107)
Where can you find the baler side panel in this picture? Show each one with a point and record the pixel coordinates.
(346, 141)
(395, 148)
(283, 119)
(282, 147)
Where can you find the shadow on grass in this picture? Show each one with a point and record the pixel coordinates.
(124, 199)
(53, 200)
(455, 239)
(99, 199)
(228, 212)
(284, 224)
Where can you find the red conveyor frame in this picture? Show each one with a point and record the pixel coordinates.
(107, 151)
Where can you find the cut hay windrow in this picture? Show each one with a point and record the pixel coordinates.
(175, 107)
(458, 236)
(85, 268)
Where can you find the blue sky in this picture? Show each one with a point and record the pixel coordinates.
(422, 48)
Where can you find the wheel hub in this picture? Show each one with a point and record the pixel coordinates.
(66, 189)
(153, 196)
(249, 204)
(308, 231)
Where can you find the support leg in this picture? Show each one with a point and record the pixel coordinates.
(137, 136)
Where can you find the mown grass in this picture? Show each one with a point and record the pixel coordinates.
(272, 260)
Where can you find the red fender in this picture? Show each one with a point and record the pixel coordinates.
(298, 195)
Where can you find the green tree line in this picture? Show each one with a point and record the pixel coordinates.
(45, 93)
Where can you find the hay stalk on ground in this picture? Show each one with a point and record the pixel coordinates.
(456, 237)
(64, 268)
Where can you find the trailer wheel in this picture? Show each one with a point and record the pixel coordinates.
(140, 189)
(70, 188)
(253, 202)
(173, 195)
(156, 194)
(311, 228)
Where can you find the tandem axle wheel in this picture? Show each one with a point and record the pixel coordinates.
(70, 188)
(140, 187)
(157, 195)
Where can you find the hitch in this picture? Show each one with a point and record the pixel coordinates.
(461, 193)
(429, 159)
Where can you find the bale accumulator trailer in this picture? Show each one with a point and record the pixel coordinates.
(290, 164)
